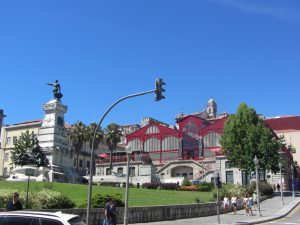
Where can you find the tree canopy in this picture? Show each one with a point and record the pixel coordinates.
(244, 136)
(27, 151)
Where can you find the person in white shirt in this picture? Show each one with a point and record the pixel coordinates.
(225, 204)
(234, 203)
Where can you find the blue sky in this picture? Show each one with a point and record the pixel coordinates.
(100, 51)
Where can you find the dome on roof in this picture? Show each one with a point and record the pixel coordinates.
(211, 100)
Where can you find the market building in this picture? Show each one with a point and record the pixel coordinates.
(190, 149)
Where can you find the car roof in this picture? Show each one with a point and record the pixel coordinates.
(57, 214)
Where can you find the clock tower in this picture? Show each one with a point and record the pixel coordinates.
(53, 134)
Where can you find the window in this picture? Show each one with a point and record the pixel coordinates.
(50, 222)
(17, 220)
(108, 171)
(88, 164)
(152, 144)
(6, 156)
(80, 162)
(245, 178)
(229, 177)
(227, 165)
(120, 170)
(152, 130)
(132, 171)
(8, 141)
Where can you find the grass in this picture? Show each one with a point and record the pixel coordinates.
(137, 197)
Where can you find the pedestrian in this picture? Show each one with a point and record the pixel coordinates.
(246, 203)
(113, 213)
(250, 205)
(15, 203)
(254, 197)
(107, 217)
(234, 203)
(225, 204)
(274, 187)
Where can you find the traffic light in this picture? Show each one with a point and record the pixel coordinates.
(159, 89)
(217, 180)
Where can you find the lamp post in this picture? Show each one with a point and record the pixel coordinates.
(281, 194)
(256, 161)
(292, 171)
(128, 150)
(158, 91)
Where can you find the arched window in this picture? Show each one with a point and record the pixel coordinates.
(152, 144)
(212, 139)
(136, 145)
(170, 143)
(152, 130)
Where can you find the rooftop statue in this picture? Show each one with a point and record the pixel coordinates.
(56, 90)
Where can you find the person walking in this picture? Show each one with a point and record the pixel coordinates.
(234, 203)
(254, 197)
(250, 206)
(15, 203)
(113, 213)
(225, 204)
(107, 216)
(246, 203)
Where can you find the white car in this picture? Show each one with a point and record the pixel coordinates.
(38, 218)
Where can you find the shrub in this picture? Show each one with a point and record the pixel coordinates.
(48, 199)
(99, 201)
(264, 187)
(205, 186)
(229, 190)
(158, 185)
(188, 188)
(153, 185)
(44, 199)
(186, 182)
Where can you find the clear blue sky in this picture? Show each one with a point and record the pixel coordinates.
(100, 51)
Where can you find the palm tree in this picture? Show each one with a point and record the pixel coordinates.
(77, 137)
(89, 133)
(112, 136)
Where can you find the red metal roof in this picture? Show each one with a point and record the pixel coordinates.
(284, 123)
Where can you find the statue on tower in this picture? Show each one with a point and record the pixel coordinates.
(56, 90)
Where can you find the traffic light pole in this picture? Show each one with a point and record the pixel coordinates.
(93, 150)
(218, 207)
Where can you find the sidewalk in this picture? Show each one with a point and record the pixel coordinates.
(271, 209)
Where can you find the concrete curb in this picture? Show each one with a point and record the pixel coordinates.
(278, 215)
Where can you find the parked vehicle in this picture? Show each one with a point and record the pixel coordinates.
(39, 218)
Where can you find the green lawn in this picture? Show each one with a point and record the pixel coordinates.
(137, 197)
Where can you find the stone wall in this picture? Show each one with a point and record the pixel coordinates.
(151, 213)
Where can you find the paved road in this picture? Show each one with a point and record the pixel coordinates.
(292, 218)
(270, 209)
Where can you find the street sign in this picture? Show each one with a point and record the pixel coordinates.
(29, 172)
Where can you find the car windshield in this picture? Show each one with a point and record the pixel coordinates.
(76, 221)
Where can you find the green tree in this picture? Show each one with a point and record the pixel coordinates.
(77, 137)
(112, 136)
(89, 133)
(244, 136)
(27, 151)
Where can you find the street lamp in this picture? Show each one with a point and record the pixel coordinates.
(128, 150)
(256, 161)
(281, 194)
(292, 171)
